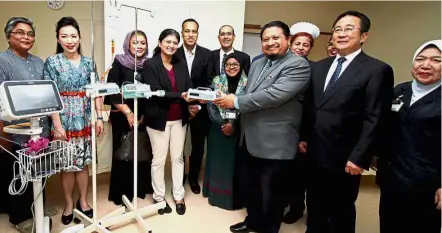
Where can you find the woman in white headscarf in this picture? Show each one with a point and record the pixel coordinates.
(303, 37)
(409, 174)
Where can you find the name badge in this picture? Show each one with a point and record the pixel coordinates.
(397, 104)
(230, 115)
(396, 107)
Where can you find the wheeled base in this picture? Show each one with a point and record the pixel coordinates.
(47, 225)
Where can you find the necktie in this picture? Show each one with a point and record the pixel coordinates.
(222, 64)
(335, 75)
(266, 67)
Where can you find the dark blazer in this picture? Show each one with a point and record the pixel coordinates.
(201, 73)
(120, 74)
(157, 108)
(257, 57)
(345, 124)
(414, 156)
(245, 61)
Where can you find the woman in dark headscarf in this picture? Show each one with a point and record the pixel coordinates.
(122, 120)
(222, 164)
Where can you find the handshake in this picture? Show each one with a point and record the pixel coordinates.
(204, 95)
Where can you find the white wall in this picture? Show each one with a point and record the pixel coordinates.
(211, 15)
(252, 44)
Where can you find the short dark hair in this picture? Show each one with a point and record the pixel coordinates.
(365, 21)
(219, 30)
(165, 33)
(285, 28)
(190, 20)
(12, 23)
(63, 22)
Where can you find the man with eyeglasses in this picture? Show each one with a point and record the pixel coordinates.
(16, 63)
(199, 64)
(349, 100)
(226, 37)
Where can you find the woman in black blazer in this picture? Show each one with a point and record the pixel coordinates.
(166, 117)
(122, 120)
(409, 172)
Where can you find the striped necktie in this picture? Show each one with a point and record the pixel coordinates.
(222, 64)
(335, 75)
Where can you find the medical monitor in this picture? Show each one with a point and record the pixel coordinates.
(27, 99)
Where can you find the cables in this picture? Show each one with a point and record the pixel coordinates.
(17, 176)
(11, 141)
(32, 206)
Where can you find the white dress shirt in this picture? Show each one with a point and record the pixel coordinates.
(221, 56)
(334, 65)
(190, 56)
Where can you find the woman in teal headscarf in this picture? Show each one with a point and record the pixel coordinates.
(222, 163)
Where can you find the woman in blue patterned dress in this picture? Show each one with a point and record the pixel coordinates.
(71, 72)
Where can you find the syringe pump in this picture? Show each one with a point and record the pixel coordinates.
(102, 89)
(201, 93)
(131, 91)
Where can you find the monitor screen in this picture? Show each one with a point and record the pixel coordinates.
(27, 97)
(33, 97)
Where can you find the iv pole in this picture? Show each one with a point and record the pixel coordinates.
(94, 224)
(134, 212)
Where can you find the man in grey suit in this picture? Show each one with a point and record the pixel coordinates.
(271, 112)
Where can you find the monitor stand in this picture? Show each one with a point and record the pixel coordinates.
(42, 224)
(24, 128)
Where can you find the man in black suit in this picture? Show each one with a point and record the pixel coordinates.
(226, 36)
(199, 64)
(349, 98)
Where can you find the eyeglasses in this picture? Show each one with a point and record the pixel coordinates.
(222, 34)
(191, 31)
(23, 33)
(232, 65)
(346, 30)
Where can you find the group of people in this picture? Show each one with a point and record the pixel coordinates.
(283, 130)
(71, 72)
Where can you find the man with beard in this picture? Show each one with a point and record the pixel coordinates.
(17, 64)
(199, 65)
(226, 36)
(271, 119)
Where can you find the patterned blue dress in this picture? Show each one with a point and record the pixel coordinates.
(76, 116)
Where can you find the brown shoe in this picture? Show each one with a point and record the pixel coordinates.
(26, 226)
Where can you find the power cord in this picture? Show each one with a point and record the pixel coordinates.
(24, 182)
(8, 140)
